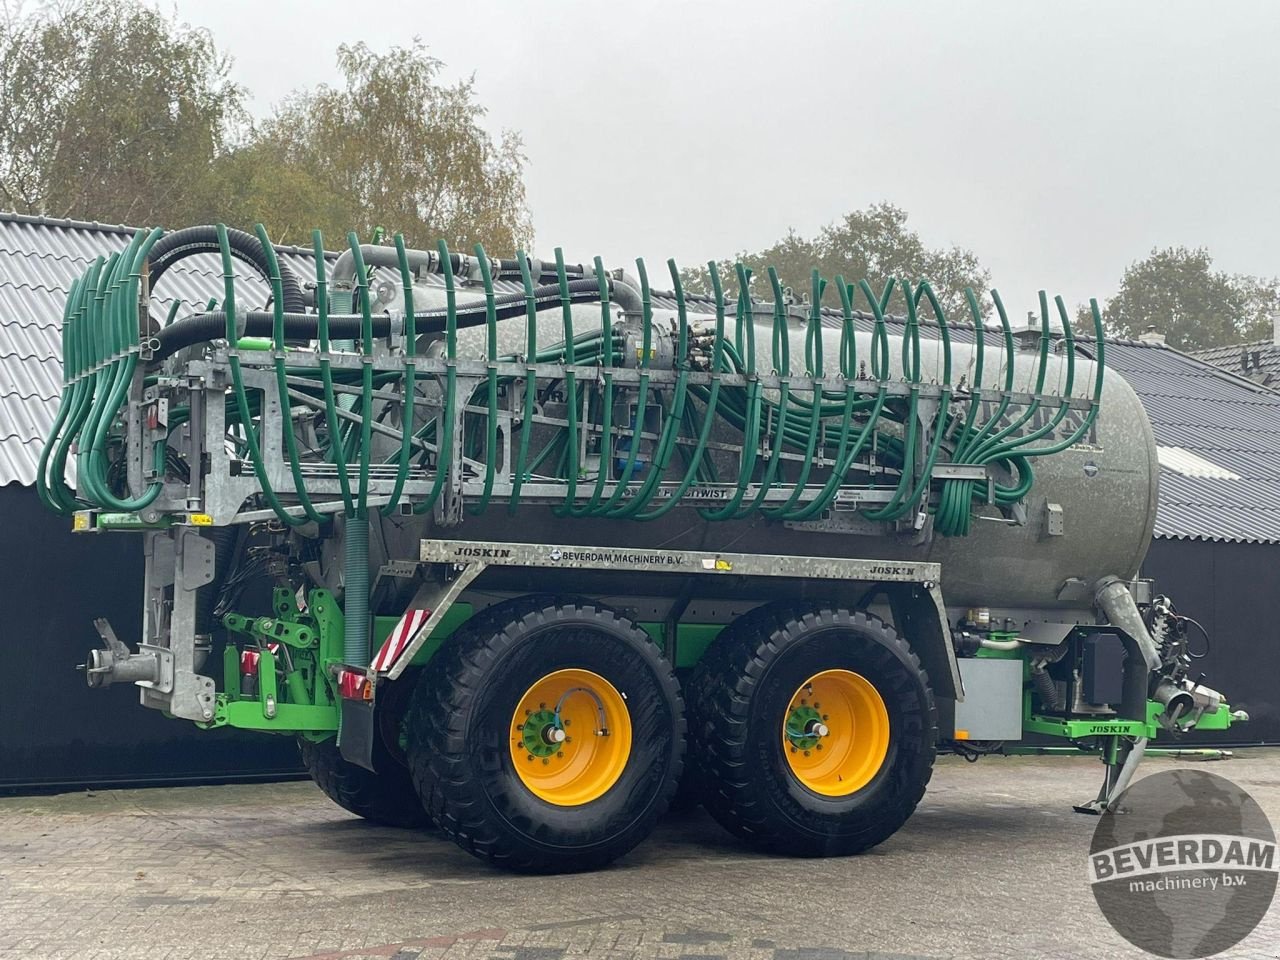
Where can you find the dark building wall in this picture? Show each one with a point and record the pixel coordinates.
(53, 728)
(1234, 590)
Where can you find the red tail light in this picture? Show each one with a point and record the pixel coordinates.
(354, 685)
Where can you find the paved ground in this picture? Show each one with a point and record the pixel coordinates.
(992, 865)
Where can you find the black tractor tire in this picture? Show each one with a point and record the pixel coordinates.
(698, 687)
(742, 689)
(459, 727)
(386, 797)
(688, 795)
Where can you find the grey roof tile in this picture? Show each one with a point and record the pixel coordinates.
(38, 260)
(1258, 360)
(1222, 417)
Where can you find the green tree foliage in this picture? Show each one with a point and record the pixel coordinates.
(106, 110)
(112, 111)
(1177, 292)
(873, 243)
(393, 147)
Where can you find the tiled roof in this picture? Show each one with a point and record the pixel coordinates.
(1227, 420)
(1204, 412)
(1258, 360)
(39, 258)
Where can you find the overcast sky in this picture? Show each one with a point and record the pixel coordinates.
(1059, 141)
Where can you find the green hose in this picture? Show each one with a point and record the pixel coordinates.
(530, 384)
(366, 375)
(444, 450)
(997, 452)
(782, 365)
(409, 382)
(898, 503)
(711, 402)
(336, 452)
(606, 390)
(611, 507)
(123, 341)
(237, 386)
(665, 446)
(841, 429)
(53, 490)
(491, 404)
(570, 392)
(813, 361)
(282, 386)
(751, 439)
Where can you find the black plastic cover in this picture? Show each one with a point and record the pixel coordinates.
(1102, 669)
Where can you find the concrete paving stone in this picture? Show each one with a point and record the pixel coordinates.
(992, 866)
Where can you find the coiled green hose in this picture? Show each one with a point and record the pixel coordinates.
(838, 431)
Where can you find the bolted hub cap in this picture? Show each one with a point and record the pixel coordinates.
(536, 733)
(570, 737)
(835, 734)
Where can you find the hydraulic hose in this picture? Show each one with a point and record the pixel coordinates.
(245, 247)
(203, 327)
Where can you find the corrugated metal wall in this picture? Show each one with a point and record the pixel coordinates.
(54, 730)
(1234, 590)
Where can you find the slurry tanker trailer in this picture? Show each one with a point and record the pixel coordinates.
(538, 550)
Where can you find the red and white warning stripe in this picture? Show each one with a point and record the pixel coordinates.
(398, 639)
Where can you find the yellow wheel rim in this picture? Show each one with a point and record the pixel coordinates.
(570, 737)
(835, 734)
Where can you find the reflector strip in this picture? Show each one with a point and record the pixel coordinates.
(399, 639)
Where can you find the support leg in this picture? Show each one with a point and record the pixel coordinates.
(1121, 758)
